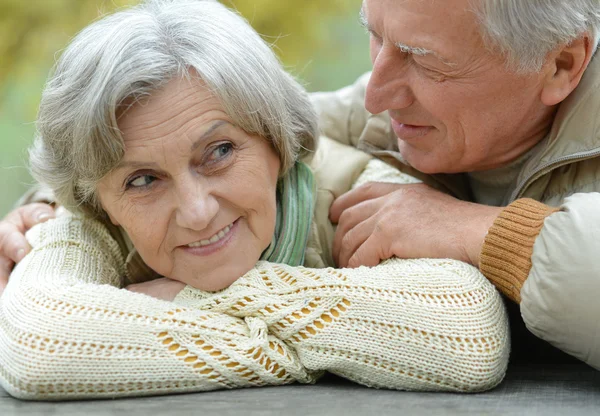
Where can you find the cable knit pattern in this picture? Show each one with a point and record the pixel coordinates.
(406, 324)
(68, 332)
(379, 171)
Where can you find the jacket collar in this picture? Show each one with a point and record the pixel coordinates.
(575, 132)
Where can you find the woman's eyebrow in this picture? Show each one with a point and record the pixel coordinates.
(208, 133)
(151, 165)
(126, 164)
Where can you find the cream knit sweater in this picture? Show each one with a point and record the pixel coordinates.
(68, 332)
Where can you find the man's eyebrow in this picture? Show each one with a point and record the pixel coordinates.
(363, 19)
(413, 50)
(419, 51)
(208, 133)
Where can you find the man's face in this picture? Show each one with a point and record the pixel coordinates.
(454, 105)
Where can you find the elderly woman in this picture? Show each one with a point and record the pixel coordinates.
(174, 136)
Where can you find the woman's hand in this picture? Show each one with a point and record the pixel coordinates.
(163, 288)
(13, 245)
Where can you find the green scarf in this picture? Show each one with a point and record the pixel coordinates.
(295, 206)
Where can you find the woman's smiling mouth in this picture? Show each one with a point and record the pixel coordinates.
(214, 243)
(215, 238)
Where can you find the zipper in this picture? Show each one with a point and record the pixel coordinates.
(549, 167)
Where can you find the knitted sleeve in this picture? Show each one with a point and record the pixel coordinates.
(379, 171)
(435, 325)
(508, 246)
(68, 332)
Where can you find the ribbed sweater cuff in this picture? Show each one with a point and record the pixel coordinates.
(506, 254)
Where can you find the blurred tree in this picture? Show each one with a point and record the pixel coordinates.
(294, 26)
(30, 31)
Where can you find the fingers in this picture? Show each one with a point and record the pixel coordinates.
(363, 193)
(368, 254)
(13, 245)
(345, 238)
(6, 266)
(33, 214)
(10, 248)
(352, 240)
(13, 248)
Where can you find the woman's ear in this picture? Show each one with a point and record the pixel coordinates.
(101, 191)
(112, 219)
(106, 214)
(565, 69)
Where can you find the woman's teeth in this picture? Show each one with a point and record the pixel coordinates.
(213, 239)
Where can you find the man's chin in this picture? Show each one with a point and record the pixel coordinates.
(421, 161)
(430, 162)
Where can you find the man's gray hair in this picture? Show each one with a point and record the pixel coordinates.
(527, 30)
(126, 56)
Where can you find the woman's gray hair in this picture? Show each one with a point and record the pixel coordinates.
(126, 56)
(525, 31)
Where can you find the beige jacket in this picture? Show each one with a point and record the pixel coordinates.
(543, 257)
(336, 168)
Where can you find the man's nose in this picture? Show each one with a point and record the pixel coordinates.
(197, 207)
(389, 87)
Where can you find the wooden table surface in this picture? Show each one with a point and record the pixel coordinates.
(534, 390)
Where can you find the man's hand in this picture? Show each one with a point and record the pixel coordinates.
(380, 220)
(13, 245)
(163, 288)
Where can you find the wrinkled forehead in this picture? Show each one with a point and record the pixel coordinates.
(179, 105)
(448, 27)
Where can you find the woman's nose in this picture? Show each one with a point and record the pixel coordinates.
(197, 207)
(388, 87)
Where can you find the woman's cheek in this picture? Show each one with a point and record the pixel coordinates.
(149, 224)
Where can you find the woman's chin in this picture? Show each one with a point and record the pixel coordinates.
(217, 279)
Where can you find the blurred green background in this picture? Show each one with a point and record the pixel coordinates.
(319, 41)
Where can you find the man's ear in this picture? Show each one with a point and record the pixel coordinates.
(565, 69)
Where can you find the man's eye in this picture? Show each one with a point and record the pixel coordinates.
(221, 151)
(432, 73)
(376, 38)
(141, 181)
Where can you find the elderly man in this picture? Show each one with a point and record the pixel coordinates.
(499, 102)
(493, 103)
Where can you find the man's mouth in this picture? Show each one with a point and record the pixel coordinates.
(409, 131)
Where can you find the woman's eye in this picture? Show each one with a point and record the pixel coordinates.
(221, 151)
(141, 181)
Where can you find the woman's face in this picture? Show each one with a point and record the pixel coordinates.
(195, 193)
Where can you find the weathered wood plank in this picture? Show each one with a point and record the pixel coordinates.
(572, 390)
